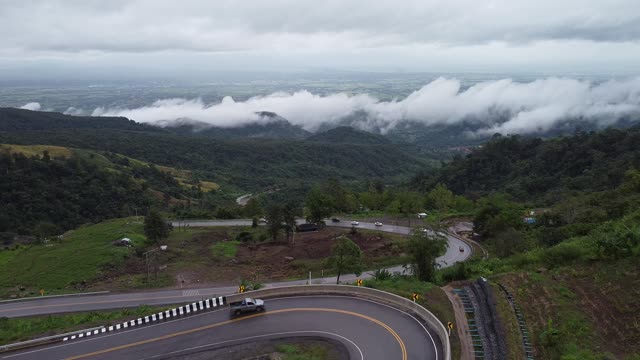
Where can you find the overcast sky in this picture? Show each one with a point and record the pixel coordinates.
(423, 35)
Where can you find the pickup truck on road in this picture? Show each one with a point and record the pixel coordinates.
(246, 305)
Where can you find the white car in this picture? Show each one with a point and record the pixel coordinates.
(354, 223)
(377, 223)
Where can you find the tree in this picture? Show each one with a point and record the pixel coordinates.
(156, 227)
(274, 217)
(44, 230)
(508, 242)
(440, 198)
(342, 199)
(290, 211)
(407, 204)
(345, 257)
(252, 208)
(424, 249)
(319, 206)
(495, 215)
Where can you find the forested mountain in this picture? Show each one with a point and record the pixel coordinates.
(276, 128)
(68, 187)
(66, 192)
(15, 120)
(528, 168)
(245, 163)
(349, 135)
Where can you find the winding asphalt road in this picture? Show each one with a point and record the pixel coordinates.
(367, 329)
(45, 305)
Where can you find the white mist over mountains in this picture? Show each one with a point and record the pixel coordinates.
(503, 106)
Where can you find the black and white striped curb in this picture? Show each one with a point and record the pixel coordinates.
(197, 306)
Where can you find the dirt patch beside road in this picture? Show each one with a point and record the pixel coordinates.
(200, 257)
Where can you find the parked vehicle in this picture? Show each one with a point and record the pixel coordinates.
(354, 223)
(307, 227)
(377, 223)
(246, 305)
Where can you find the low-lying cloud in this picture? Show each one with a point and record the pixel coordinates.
(35, 106)
(503, 106)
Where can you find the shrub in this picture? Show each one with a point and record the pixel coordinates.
(244, 236)
(382, 274)
(456, 272)
(563, 253)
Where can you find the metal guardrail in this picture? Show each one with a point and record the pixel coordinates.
(44, 340)
(356, 291)
(31, 298)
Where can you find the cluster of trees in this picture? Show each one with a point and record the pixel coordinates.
(13, 120)
(40, 190)
(332, 197)
(574, 184)
(243, 163)
(532, 169)
(499, 217)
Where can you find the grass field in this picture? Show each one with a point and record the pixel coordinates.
(66, 265)
(227, 249)
(303, 351)
(31, 150)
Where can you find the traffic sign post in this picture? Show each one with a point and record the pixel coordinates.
(450, 326)
(359, 282)
(415, 297)
(241, 289)
(41, 292)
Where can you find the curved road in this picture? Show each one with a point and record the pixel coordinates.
(367, 329)
(51, 305)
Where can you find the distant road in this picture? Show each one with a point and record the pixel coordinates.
(164, 297)
(243, 200)
(367, 329)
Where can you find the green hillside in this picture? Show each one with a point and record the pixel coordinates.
(12, 119)
(80, 256)
(572, 266)
(349, 135)
(529, 168)
(46, 189)
(243, 163)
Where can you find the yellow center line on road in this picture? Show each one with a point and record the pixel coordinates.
(403, 348)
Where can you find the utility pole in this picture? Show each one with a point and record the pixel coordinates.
(146, 256)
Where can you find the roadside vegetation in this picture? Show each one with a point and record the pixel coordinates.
(303, 351)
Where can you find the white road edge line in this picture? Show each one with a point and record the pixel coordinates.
(265, 335)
